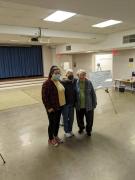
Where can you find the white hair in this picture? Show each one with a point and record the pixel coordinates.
(69, 70)
(81, 71)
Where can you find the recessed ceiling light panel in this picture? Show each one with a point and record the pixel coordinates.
(106, 23)
(59, 16)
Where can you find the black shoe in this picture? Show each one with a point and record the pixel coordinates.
(80, 131)
(88, 134)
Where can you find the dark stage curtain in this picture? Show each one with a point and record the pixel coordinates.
(21, 62)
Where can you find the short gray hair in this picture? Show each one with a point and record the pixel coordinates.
(69, 70)
(81, 71)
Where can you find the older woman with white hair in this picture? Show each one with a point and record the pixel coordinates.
(86, 102)
(68, 110)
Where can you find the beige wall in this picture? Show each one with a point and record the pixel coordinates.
(47, 59)
(83, 61)
(112, 41)
(105, 61)
(50, 58)
(121, 67)
(60, 59)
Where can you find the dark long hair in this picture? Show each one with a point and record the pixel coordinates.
(52, 69)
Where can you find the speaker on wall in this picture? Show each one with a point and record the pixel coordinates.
(131, 59)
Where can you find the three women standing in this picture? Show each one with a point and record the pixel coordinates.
(61, 97)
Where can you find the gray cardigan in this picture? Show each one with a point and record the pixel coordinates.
(90, 96)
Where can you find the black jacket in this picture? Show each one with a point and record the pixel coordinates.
(70, 91)
(50, 95)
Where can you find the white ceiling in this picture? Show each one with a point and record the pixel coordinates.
(26, 15)
(31, 12)
(120, 9)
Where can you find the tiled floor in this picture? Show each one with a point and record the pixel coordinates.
(108, 155)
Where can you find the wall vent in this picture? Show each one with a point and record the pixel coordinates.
(68, 48)
(129, 39)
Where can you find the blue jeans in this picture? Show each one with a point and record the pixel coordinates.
(68, 117)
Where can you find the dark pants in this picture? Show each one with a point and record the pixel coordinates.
(89, 119)
(68, 117)
(54, 121)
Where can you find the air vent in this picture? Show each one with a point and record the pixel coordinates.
(68, 48)
(129, 39)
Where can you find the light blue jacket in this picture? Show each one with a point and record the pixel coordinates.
(90, 95)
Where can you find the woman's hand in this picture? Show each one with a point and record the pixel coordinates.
(50, 110)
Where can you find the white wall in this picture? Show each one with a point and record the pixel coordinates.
(75, 48)
(87, 61)
(83, 61)
(60, 59)
(105, 61)
(51, 58)
(112, 41)
(47, 59)
(121, 66)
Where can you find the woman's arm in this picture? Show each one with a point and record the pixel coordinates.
(46, 90)
(94, 97)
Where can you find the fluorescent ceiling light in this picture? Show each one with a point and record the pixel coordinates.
(13, 40)
(89, 51)
(59, 16)
(107, 23)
